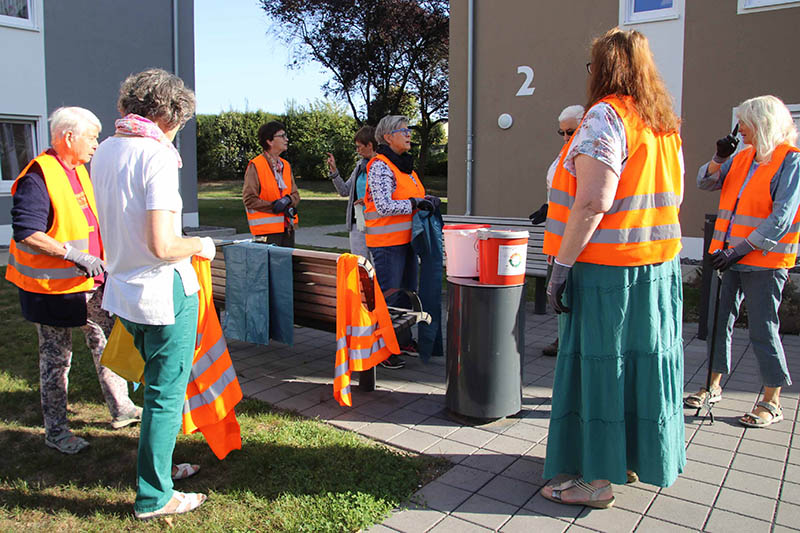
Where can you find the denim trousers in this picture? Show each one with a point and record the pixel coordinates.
(761, 292)
(168, 352)
(396, 268)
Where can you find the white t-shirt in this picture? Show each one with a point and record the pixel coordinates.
(133, 175)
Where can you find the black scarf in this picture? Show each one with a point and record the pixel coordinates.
(404, 161)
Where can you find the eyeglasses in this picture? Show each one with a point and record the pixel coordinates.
(404, 131)
(284, 135)
(589, 67)
(569, 132)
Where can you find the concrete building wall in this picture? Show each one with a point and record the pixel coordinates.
(92, 46)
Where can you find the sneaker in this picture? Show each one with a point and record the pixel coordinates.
(393, 362)
(411, 349)
(126, 419)
(67, 443)
(551, 350)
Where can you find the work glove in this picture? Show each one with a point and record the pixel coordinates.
(279, 206)
(90, 265)
(423, 204)
(290, 211)
(435, 200)
(555, 289)
(537, 217)
(208, 250)
(726, 146)
(723, 259)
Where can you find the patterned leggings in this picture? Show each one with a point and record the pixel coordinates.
(55, 359)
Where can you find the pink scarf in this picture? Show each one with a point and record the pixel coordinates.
(138, 126)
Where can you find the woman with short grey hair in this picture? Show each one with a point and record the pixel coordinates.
(394, 193)
(151, 285)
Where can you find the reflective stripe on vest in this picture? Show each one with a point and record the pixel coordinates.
(36, 272)
(262, 223)
(363, 338)
(755, 206)
(391, 230)
(642, 225)
(213, 388)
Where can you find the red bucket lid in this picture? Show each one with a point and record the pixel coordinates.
(456, 227)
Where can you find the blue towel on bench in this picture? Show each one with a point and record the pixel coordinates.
(247, 292)
(281, 295)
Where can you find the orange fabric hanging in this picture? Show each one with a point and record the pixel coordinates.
(363, 338)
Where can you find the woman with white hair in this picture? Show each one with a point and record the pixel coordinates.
(754, 244)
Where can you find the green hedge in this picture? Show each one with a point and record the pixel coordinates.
(226, 142)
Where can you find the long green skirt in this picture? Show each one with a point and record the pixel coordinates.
(618, 389)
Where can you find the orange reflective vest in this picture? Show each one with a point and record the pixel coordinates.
(213, 388)
(394, 229)
(363, 338)
(33, 271)
(755, 206)
(642, 226)
(262, 223)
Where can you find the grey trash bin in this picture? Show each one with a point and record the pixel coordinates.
(485, 344)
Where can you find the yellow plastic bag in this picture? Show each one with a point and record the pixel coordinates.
(121, 356)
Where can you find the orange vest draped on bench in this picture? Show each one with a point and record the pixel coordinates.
(36, 272)
(754, 207)
(262, 223)
(363, 338)
(213, 388)
(642, 226)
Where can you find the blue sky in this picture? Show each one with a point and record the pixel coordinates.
(238, 66)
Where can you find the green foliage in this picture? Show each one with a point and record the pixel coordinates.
(226, 142)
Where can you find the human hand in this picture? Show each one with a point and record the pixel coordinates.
(727, 145)
(723, 259)
(555, 289)
(539, 216)
(332, 164)
(90, 265)
(423, 204)
(208, 249)
(279, 206)
(435, 200)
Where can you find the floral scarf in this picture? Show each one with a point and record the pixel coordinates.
(138, 126)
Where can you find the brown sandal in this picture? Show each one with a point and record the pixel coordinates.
(591, 491)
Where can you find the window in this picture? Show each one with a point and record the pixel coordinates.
(17, 148)
(754, 6)
(637, 11)
(17, 13)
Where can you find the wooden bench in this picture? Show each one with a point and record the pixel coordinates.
(314, 286)
(536, 262)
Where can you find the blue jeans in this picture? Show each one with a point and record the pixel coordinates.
(396, 268)
(761, 289)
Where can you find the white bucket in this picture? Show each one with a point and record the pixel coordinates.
(461, 249)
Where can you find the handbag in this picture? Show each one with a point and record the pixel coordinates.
(121, 356)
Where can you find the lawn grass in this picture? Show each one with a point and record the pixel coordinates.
(292, 474)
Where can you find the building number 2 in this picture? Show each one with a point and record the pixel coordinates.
(526, 89)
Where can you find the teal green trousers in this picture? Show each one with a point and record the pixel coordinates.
(168, 352)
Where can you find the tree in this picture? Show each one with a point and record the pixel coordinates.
(379, 53)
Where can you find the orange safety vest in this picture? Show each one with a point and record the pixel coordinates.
(363, 338)
(755, 206)
(33, 271)
(262, 223)
(213, 388)
(394, 229)
(642, 226)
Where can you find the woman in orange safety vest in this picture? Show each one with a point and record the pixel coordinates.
(269, 193)
(754, 244)
(394, 193)
(614, 232)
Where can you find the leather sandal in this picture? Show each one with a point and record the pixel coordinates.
(753, 420)
(67, 443)
(695, 401)
(187, 501)
(184, 470)
(591, 491)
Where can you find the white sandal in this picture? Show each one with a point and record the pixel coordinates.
(187, 501)
(591, 491)
(185, 470)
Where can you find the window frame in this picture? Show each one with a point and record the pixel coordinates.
(31, 23)
(35, 123)
(655, 15)
(744, 7)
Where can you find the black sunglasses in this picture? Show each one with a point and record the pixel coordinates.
(589, 67)
(569, 132)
